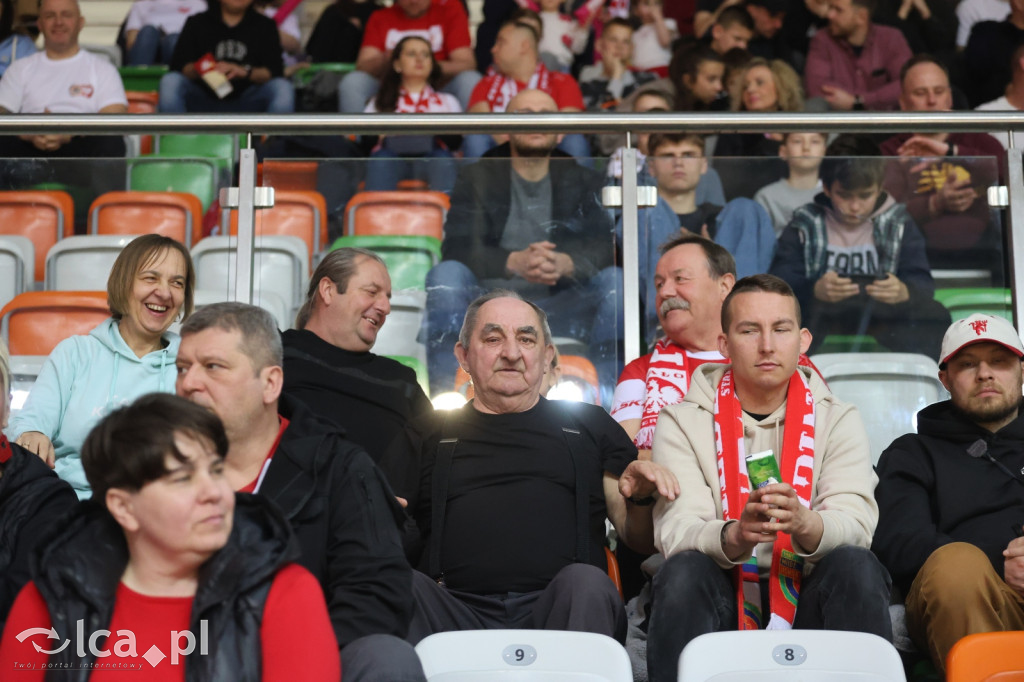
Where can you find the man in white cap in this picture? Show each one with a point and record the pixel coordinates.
(951, 496)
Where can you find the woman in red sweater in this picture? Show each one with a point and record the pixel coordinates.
(166, 571)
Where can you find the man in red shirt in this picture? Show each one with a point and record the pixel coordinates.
(442, 23)
(517, 66)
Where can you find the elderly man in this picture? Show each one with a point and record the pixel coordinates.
(943, 177)
(950, 497)
(62, 79)
(516, 488)
(443, 23)
(518, 67)
(804, 532)
(855, 64)
(339, 505)
(329, 367)
(533, 223)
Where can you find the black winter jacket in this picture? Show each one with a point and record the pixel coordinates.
(931, 491)
(79, 567)
(347, 520)
(32, 496)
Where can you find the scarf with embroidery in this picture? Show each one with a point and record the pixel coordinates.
(797, 468)
(667, 381)
(503, 88)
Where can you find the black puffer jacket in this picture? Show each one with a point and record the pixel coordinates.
(32, 497)
(931, 491)
(80, 564)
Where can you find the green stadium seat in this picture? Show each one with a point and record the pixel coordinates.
(303, 76)
(963, 303)
(850, 343)
(161, 174)
(408, 257)
(142, 78)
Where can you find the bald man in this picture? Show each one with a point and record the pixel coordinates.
(536, 226)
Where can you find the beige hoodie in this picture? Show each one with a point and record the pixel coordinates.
(842, 490)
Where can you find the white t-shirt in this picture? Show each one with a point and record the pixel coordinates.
(647, 52)
(970, 12)
(82, 84)
(167, 15)
(561, 37)
(1002, 104)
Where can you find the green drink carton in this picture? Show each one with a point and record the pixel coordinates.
(762, 469)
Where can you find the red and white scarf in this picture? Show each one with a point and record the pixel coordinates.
(409, 104)
(667, 381)
(797, 468)
(503, 88)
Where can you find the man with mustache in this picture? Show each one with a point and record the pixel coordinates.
(515, 490)
(692, 278)
(951, 496)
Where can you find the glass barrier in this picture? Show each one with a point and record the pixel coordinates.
(881, 260)
(934, 230)
(537, 227)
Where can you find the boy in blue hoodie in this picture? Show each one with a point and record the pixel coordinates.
(856, 259)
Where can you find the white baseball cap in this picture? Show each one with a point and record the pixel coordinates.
(979, 328)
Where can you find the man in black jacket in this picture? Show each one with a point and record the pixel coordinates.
(951, 497)
(533, 224)
(341, 509)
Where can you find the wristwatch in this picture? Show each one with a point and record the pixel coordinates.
(858, 103)
(642, 501)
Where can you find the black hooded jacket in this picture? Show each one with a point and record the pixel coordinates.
(932, 491)
(346, 519)
(79, 567)
(32, 496)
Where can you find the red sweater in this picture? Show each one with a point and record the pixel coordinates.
(296, 635)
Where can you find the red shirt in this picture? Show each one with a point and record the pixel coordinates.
(296, 631)
(562, 87)
(445, 26)
(251, 487)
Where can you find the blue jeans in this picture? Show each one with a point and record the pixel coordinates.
(847, 590)
(589, 311)
(151, 46)
(179, 95)
(574, 144)
(385, 170)
(358, 87)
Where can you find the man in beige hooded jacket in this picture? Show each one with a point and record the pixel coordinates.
(759, 551)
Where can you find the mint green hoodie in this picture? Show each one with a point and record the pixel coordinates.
(83, 379)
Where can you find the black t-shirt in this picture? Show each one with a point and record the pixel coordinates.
(510, 518)
(373, 398)
(254, 41)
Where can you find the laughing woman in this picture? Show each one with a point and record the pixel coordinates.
(166, 570)
(132, 353)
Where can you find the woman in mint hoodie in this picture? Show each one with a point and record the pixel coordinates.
(132, 353)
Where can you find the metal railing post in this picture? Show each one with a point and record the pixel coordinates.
(1015, 231)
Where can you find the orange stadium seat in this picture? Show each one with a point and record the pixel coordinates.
(987, 657)
(173, 214)
(401, 212)
(44, 216)
(289, 175)
(143, 103)
(296, 213)
(34, 322)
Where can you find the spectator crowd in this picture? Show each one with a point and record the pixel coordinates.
(297, 496)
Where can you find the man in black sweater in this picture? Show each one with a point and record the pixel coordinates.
(227, 59)
(329, 367)
(951, 496)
